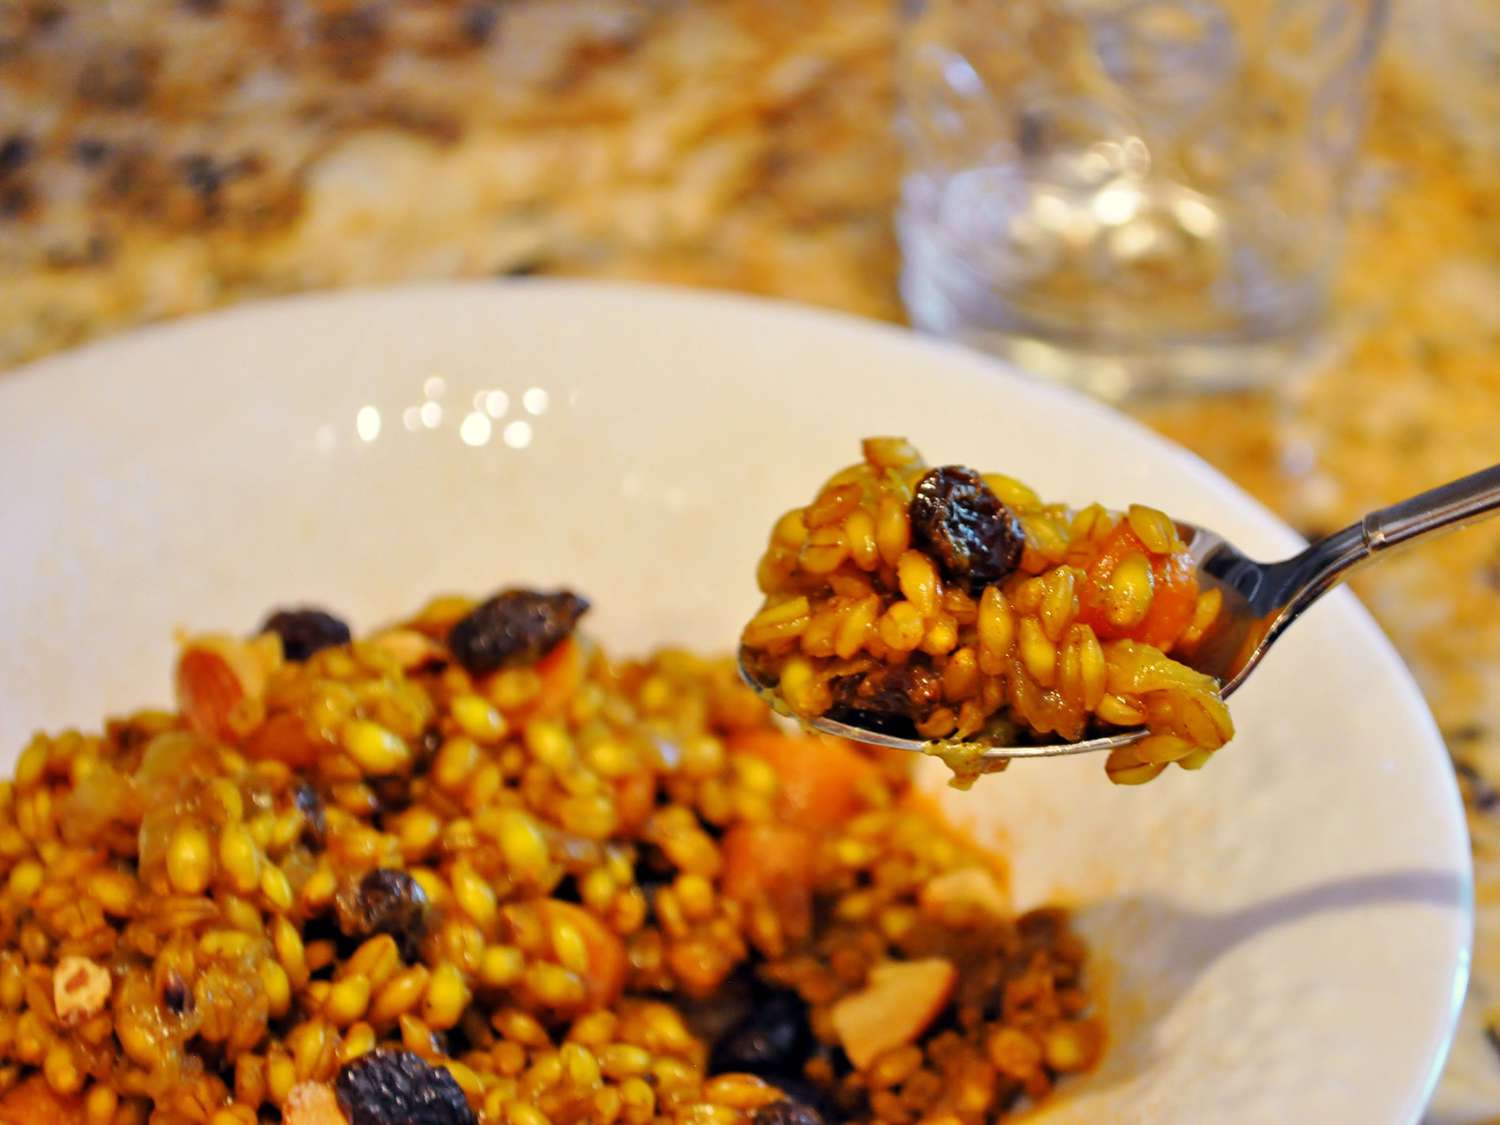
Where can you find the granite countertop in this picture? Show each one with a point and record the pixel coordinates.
(158, 158)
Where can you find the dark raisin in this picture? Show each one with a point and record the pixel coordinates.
(514, 627)
(386, 901)
(787, 1112)
(975, 540)
(305, 631)
(908, 690)
(314, 821)
(391, 1087)
(773, 1039)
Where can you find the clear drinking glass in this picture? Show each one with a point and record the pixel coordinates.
(1130, 196)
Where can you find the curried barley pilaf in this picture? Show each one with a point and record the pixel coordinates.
(468, 869)
(953, 602)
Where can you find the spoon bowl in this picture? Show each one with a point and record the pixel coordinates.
(1260, 601)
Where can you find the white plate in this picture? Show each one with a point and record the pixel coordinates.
(1283, 936)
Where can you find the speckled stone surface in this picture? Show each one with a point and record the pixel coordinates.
(163, 156)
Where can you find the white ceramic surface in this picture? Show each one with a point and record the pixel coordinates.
(1284, 935)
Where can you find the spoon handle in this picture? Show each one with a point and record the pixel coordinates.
(1294, 584)
(1462, 501)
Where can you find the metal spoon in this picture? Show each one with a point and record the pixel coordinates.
(1260, 601)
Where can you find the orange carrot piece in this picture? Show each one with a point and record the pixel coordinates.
(820, 777)
(1174, 586)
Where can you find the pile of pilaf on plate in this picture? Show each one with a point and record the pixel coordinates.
(468, 869)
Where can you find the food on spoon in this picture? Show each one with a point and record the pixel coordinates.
(469, 870)
(942, 602)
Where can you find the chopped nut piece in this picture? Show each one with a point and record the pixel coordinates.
(79, 989)
(898, 1002)
(216, 673)
(407, 647)
(965, 896)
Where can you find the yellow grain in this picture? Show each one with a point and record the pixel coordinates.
(902, 627)
(1012, 493)
(399, 995)
(856, 625)
(239, 858)
(859, 532)
(1059, 603)
(1128, 599)
(919, 582)
(892, 530)
(1038, 654)
(1153, 528)
(189, 860)
(824, 551)
(477, 718)
(447, 996)
(376, 750)
(347, 1001)
(831, 506)
(1119, 711)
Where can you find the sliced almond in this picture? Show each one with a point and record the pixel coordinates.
(963, 896)
(899, 1001)
(216, 672)
(312, 1103)
(407, 647)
